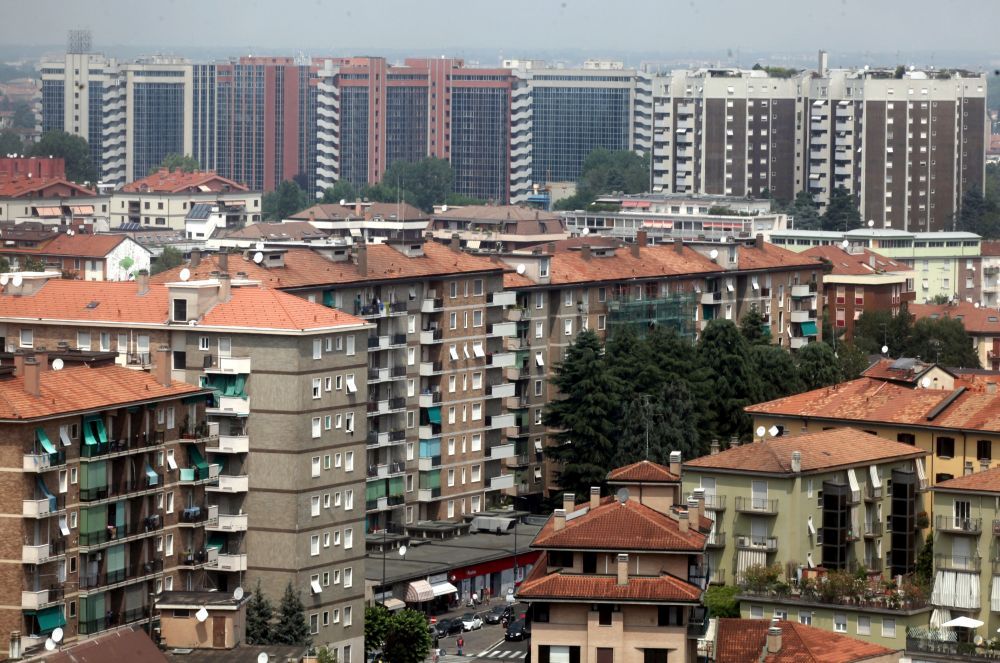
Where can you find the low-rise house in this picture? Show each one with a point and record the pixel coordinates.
(980, 322)
(165, 198)
(87, 257)
(781, 641)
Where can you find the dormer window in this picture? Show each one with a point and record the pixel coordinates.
(543, 269)
(180, 310)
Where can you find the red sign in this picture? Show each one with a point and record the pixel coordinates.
(495, 566)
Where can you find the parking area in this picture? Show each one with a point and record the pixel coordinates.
(479, 641)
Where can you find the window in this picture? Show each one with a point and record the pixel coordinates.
(83, 340)
(805, 617)
(864, 625)
(477, 318)
(984, 450)
(170, 417)
(348, 620)
(539, 329)
(328, 383)
(839, 622)
(315, 466)
(336, 542)
(327, 424)
(27, 338)
(180, 310)
(539, 299)
(453, 289)
(602, 322)
(477, 442)
(477, 380)
(348, 577)
(170, 545)
(756, 612)
(339, 381)
(451, 414)
(326, 500)
(316, 427)
(538, 387)
(477, 287)
(317, 348)
(568, 326)
(170, 502)
(348, 500)
(906, 438)
(888, 628)
(538, 417)
(314, 506)
(338, 459)
(317, 387)
(349, 422)
(476, 471)
(349, 461)
(326, 613)
(411, 324)
(314, 623)
(477, 411)
(348, 538)
(670, 615)
(350, 345)
(604, 614)
(946, 447)
(451, 477)
(453, 320)
(314, 545)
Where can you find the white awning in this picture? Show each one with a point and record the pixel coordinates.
(809, 561)
(919, 462)
(64, 437)
(392, 604)
(538, 473)
(477, 349)
(747, 558)
(472, 244)
(938, 617)
(171, 462)
(63, 526)
(465, 349)
(453, 353)
(316, 589)
(538, 445)
(729, 287)
(852, 479)
(811, 526)
(956, 589)
(995, 595)
(443, 588)
(754, 283)
(876, 479)
(351, 384)
(539, 359)
(419, 591)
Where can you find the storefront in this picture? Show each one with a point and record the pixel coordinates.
(497, 576)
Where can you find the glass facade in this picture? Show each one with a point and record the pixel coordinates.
(157, 125)
(203, 131)
(570, 122)
(405, 124)
(307, 131)
(354, 135)
(480, 137)
(95, 122)
(241, 125)
(53, 105)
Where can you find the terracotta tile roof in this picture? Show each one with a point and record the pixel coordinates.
(81, 387)
(653, 261)
(667, 588)
(645, 471)
(987, 481)
(129, 644)
(305, 267)
(990, 248)
(83, 246)
(772, 257)
(164, 181)
(497, 213)
(25, 187)
(898, 370)
(856, 263)
(838, 447)
(871, 400)
(743, 640)
(513, 281)
(979, 321)
(265, 308)
(616, 526)
(348, 211)
(290, 230)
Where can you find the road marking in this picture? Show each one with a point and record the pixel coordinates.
(495, 653)
(521, 655)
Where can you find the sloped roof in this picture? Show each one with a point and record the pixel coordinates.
(772, 257)
(266, 308)
(129, 644)
(84, 246)
(653, 261)
(24, 187)
(79, 388)
(290, 230)
(496, 213)
(979, 321)
(743, 640)
(645, 471)
(904, 369)
(857, 262)
(987, 481)
(348, 211)
(838, 447)
(177, 181)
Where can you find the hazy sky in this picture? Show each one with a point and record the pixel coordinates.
(515, 27)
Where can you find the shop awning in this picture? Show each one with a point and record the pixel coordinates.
(419, 591)
(50, 619)
(809, 328)
(43, 440)
(434, 414)
(392, 604)
(151, 475)
(443, 589)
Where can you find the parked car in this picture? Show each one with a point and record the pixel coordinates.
(518, 630)
(446, 627)
(471, 621)
(494, 614)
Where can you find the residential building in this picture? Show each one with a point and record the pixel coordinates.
(274, 235)
(907, 148)
(859, 279)
(496, 228)
(951, 417)
(88, 257)
(981, 323)
(286, 395)
(783, 641)
(620, 577)
(991, 274)
(660, 227)
(366, 221)
(945, 264)
(53, 201)
(164, 198)
(111, 465)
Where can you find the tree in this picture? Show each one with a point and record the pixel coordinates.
(287, 199)
(943, 341)
(606, 171)
(10, 143)
(853, 361)
(841, 211)
(753, 328)
(325, 655)
(4, 265)
(584, 416)
(779, 376)
(407, 639)
(182, 162)
(653, 426)
(802, 210)
(168, 259)
(260, 613)
(73, 149)
(24, 117)
(422, 183)
(341, 190)
(291, 628)
(876, 328)
(924, 570)
(735, 385)
(33, 264)
(818, 365)
(377, 619)
(721, 601)
(979, 215)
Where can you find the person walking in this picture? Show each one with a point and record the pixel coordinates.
(460, 644)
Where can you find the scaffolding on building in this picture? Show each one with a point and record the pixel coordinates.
(676, 311)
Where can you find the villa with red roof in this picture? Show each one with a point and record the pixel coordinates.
(84, 256)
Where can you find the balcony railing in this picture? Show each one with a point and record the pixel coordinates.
(957, 563)
(42, 552)
(134, 444)
(872, 493)
(713, 502)
(130, 572)
(123, 488)
(112, 619)
(716, 540)
(44, 462)
(36, 599)
(873, 529)
(113, 533)
(758, 505)
(751, 542)
(956, 525)
(952, 651)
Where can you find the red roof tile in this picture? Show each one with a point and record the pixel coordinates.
(773, 257)
(81, 387)
(987, 481)
(35, 187)
(570, 586)
(264, 308)
(497, 213)
(348, 211)
(990, 248)
(856, 263)
(889, 369)
(83, 246)
(653, 261)
(617, 526)
(743, 640)
(645, 471)
(177, 181)
(980, 321)
(130, 644)
(838, 447)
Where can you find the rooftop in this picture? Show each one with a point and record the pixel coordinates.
(290, 230)
(770, 256)
(177, 181)
(856, 262)
(824, 451)
(652, 262)
(496, 214)
(978, 320)
(743, 641)
(987, 481)
(26, 186)
(129, 644)
(242, 653)
(83, 246)
(360, 210)
(644, 471)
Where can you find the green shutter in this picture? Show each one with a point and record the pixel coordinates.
(50, 619)
(115, 556)
(434, 414)
(94, 474)
(396, 486)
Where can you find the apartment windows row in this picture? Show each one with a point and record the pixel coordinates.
(477, 382)
(335, 460)
(477, 288)
(478, 351)
(332, 383)
(475, 503)
(346, 344)
(319, 580)
(328, 422)
(477, 319)
(863, 624)
(337, 499)
(474, 475)
(944, 447)
(333, 538)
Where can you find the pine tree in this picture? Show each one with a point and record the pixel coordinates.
(260, 630)
(671, 417)
(292, 628)
(779, 376)
(726, 354)
(818, 366)
(841, 211)
(753, 328)
(584, 416)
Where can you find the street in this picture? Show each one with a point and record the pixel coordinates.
(484, 644)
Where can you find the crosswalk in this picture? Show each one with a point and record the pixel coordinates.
(498, 654)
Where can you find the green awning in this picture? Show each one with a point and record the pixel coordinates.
(132, 409)
(328, 298)
(88, 435)
(197, 459)
(101, 432)
(50, 619)
(151, 474)
(187, 474)
(809, 328)
(434, 414)
(216, 540)
(43, 440)
(200, 398)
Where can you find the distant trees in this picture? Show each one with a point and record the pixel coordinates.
(842, 211)
(979, 215)
(168, 259)
(941, 340)
(182, 162)
(10, 143)
(287, 199)
(605, 171)
(73, 149)
(803, 209)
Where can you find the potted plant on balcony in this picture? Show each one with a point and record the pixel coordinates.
(923, 520)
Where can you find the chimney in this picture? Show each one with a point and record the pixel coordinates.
(19, 363)
(675, 463)
(682, 521)
(773, 639)
(550, 248)
(984, 465)
(195, 257)
(361, 250)
(693, 513)
(225, 287)
(699, 494)
(142, 282)
(595, 496)
(714, 448)
(42, 356)
(569, 502)
(161, 366)
(223, 261)
(357, 207)
(642, 238)
(758, 241)
(622, 568)
(455, 244)
(796, 461)
(991, 388)
(558, 519)
(678, 245)
(32, 374)
(634, 248)
(585, 252)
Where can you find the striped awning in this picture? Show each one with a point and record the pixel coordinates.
(81, 209)
(48, 211)
(393, 604)
(995, 596)
(955, 589)
(419, 591)
(748, 558)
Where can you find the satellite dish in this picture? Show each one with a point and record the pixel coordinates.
(773, 430)
(871, 223)
(192, 323)
(976, 305)
(760, 431)
(57, 635)
(520, 268)
(49, 645)
(259, 246)
(444, 208)
(402, 551)
(622, 495)
(262, 657)
(238, 593)
(57, 364)
(185, 274)
(343, 202)
(585, 232)
(845, 244)
(926, 382)
(201, 615)
(258, 257)
(17, 280)
(714, 253)
(4, 279)
(69, 232)
(885, 349)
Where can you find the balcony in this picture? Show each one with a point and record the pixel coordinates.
(432, 306)
(872, 493)
(428, 368)
(430, 399)
(116, 534)
(798, 342)
(518, 314)
(128, 575)
(116, 448)
(103, 623)
(231, 562)
(428, 463)
(43, 508)
(44, 462)
(517, 462)
(501, 482)
(505, 298)
(42, 598)
(231, 444)
(428, 494)
(516, 402)
(513, 343)
(716, 540)
(502, 329)
(429, 431)
(43, 552)
(749, 542)
(873, 530)
(431, 336)
(229, 523)
(230, 405)
(518, 430)
(501, 421)
(502, 390)
(199, 516)
(757, 506)
(712, 502)
(957, 563)
(515, 374)
(229, 365)
(230, 484)
(803, 316)
(197, 476)
(500, 360)
(498, 451)
(806, 290)
(198, 559)
(711, 297)
(955, 525)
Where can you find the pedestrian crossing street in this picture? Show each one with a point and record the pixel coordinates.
(501, 654)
